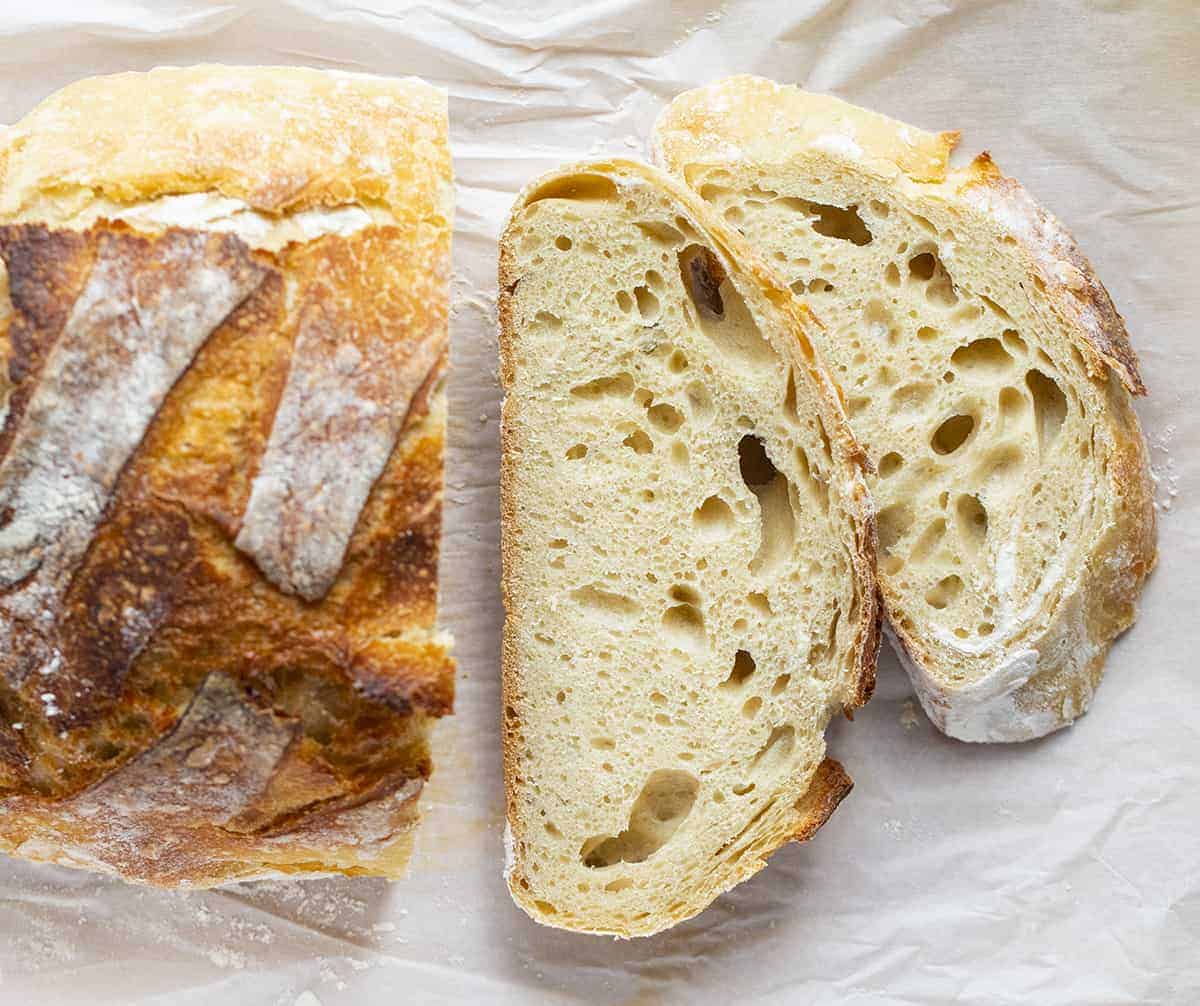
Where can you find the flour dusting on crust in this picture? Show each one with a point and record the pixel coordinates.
(342, 409)
(145, 311)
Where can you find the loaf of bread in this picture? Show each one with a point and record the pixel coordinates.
(687, 548)
(223, 336)
(986, 372)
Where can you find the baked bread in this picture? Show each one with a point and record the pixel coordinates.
(224, 339)
(987, 374)
(687, 548)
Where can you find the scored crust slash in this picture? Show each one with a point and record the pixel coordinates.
(221, 473)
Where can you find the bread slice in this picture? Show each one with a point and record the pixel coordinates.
(688, 554)
(987, 374)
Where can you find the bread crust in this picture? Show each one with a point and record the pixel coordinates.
(1051, 682)
(289, 723)
(829, 783)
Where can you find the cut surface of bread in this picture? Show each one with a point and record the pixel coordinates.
(687, 551)
(223, 301)
(986, 372)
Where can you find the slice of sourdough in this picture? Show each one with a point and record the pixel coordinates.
(988, 375)
(688, 551)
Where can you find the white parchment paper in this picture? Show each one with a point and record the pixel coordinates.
(1062, 871)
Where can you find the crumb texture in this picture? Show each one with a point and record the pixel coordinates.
(1014, 514)
(687, 589)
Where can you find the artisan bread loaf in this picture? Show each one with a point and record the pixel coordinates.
(224, 339)
(687, 551)
(986, 373)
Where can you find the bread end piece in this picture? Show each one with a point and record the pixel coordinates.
(749, 127)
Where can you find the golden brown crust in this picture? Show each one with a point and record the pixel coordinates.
(292, 734)
(280, 138)
(830, 786)
(1071, 282)
(829, 782)
(772, 122)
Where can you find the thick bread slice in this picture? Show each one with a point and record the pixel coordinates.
(987, 373)
(688, 555)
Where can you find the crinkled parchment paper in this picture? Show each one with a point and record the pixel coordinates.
(1062, 871)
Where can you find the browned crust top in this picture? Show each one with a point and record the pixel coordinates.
(346, 680)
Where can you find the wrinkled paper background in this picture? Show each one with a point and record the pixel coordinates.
(1062, 871)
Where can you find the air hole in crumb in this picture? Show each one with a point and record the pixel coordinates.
(616, 386)
(781, 684)
(721, 313)
(665, 417)
(577, 452)
(624, 301)
(638, 442)
(755, 465)
(685, 594)
(983, 356)
(891, 275)
(841, 223)
(910, 397)
(922, 266)
(743, 670)
(1049, 406)
(929, 540)
(780, 743)
(1014, 342)
(684, 625)
(889, 464)
(1012, 405)
(677, 363)
(751, 707)
(714, 518)
(952, 434)
(647, 304)
(703, 275)
(562, 243)
(700, 402)
(944, 591)
(662, 806)
(606, 603)
(759, 602)
(893, 523)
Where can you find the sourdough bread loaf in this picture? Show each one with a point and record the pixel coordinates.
(986, 372)
(224, 340)
(687, 549)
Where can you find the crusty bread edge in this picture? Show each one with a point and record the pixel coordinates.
(830, 783)
(1016, 702)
